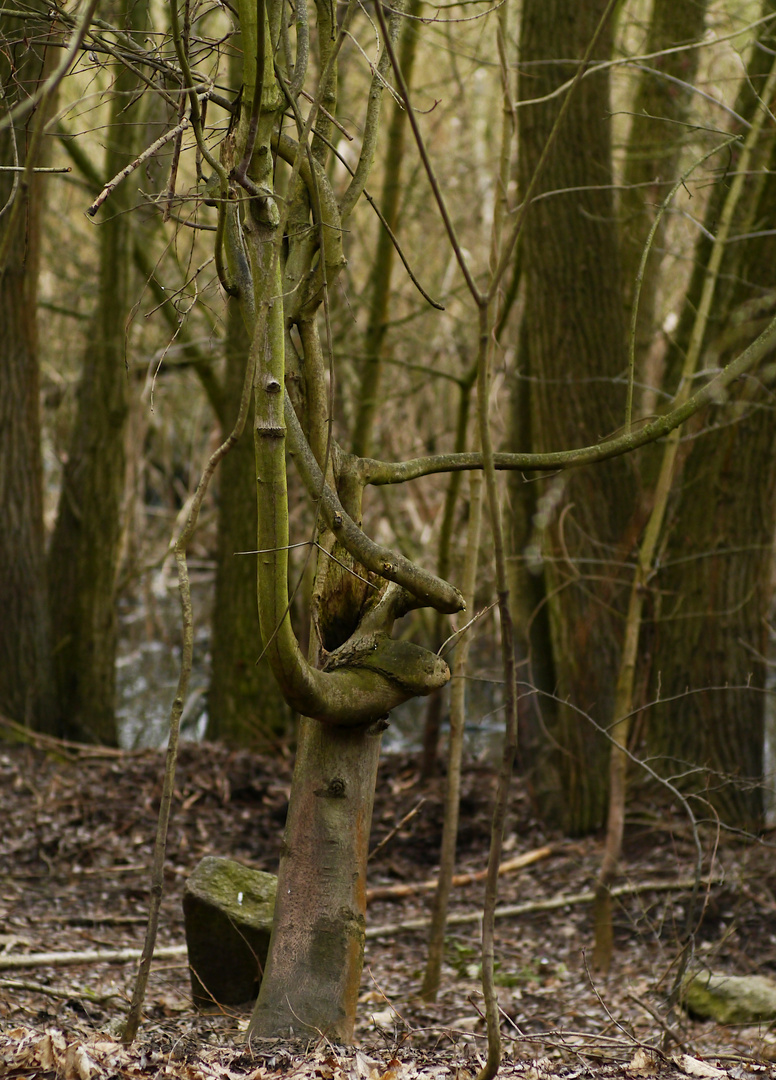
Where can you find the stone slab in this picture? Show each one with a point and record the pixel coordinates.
(227, 910)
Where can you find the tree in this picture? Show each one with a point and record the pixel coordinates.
(280, 231)
(26, 672)
(572, 348)
(321, 892)
(279, 264)
(713, 588)
(84, 555)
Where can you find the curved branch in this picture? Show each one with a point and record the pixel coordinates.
(372, 674)
(427, 587)
(386, 472)
(377, 675)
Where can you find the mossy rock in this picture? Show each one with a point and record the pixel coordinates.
(730, 999)
(228, 912)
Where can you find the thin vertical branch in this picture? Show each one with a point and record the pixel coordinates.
(302, 48)
(436, 940)
(488, 311)
(253, 123)
(176, 150)
(434, 708)
(510, 701)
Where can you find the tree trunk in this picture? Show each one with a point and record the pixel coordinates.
(85, 546)
(711, 629)
(356, 672)
(26, 674)
(245, 706)
(655, 143)
(574, 341)
(714, 587)
(313, 973)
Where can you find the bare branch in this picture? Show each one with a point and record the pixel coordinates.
(128, 169)
(383, 472)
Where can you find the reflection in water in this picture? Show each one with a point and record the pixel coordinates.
(148, 663)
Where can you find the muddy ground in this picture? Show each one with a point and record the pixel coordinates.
(75, 845)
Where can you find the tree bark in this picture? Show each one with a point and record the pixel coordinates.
(26, 672)
(655, 143)
(714, 587)
(84, 556)
(245, 706)
(314, 968)
(574, 348)
(711, 629)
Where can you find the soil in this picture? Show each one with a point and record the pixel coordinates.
(75, 848)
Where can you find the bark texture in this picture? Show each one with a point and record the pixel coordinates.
(573, 349)
(714, 587)
(85, 545)
(660, 109)
(26, 674)
(245, 706)
(314, 968)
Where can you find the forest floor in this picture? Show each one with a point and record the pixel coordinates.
(75, 846)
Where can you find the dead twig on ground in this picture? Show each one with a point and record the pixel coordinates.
(66, 993)
(64, 747)
(93, 956)
(398, 892)
(551, 904)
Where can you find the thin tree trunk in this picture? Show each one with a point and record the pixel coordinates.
(433, 719)
(436, 942)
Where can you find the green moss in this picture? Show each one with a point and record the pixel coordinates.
(730, 999)
(228, 910)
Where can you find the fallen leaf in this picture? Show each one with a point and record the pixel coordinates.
(695, 1067)
(78, 1064)
(642, 1063)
